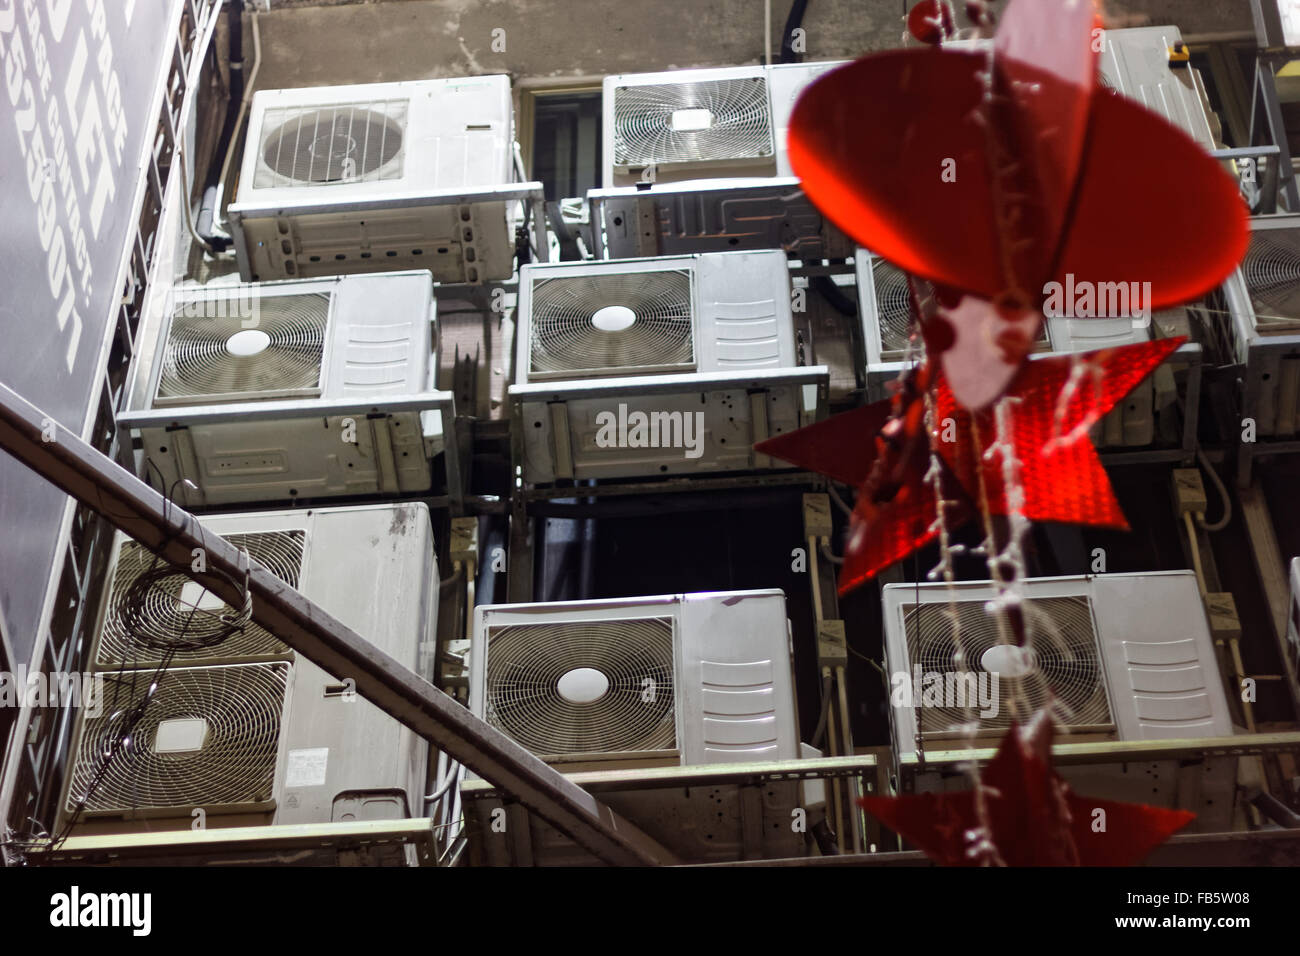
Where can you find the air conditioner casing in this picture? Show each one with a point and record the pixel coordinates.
(1154, 672)
(640, 110)
(439, 201)
(884, 310)
(341, 403)
(1135, 62)
(319, 752)
(720, 665)
(728, 352)
(1262, 338)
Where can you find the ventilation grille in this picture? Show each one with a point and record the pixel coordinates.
(525, 664)
(345, 143)
(230, 716)
(894, 312)
(1272, 272)
(1063, 664)
(692, 122)
(178, 606)
(277, 352)
(579, 324)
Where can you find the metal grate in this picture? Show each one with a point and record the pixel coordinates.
(1062, 663)
(1272, 272)
(647, 127)
(276, 351)
(233, 716)
(176, 605)
(343, 143)
(566, 339)
(525, 663)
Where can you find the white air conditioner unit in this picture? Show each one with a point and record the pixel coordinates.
(636, 683)
(302, 389)
(381, 176)
(1261, 327)
(702, 124)
(1137, 63)
(1277, 23)
(884, 309)
(246, 731)
(644, 367)
(1128, 657)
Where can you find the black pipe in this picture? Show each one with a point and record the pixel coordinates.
(208, 214)
(792, 23)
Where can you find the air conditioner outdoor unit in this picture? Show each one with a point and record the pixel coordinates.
(884, 310)
(1127, 657)
(1137, 63)
(301, 389)
(378, 177)
(246, 731)
(644, 367)
(702, 124)
(1261, 327)
(637, 683)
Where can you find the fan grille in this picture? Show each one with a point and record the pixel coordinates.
(198, 362)
(343, 143)
(894, 311)
(1272, 272)
(526, 661)
(241, 705)
(740, 124)
(1066, 664)
(168, 612)
(565, 339)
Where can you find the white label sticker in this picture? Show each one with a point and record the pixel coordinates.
(307, 767)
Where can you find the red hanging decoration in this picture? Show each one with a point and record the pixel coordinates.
(1032, 816)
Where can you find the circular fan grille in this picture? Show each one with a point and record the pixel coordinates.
(241, 706)
(893, 305)
(566, 340)
(738, 124)
(170, 609)
(1064, 661)
(332, 144)
(198, 361)
(526, 661)
(1272, 273)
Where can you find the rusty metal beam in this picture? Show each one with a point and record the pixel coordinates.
(131, 505)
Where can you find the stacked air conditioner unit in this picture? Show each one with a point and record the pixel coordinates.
(1145, 64)
(695, 679)
(245, 732)
(695, 161)
(658, 366)
(299, 389)
(1122, 657)
(343, 179)
(884, 308)
(1261, 328)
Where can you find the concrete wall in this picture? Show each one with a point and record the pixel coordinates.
(317, 42)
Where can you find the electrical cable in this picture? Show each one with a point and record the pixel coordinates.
(1223, 495)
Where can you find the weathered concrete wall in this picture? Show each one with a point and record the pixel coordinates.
(316, 42)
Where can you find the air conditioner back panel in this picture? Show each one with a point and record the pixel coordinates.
(377, 177)
(1135, 63)
(731, 685)
(355, 337)
(334, 755)
(1154, 648)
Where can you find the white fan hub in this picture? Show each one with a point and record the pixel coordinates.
(691, 119)
(248, 342)
(582, 685)
(613, 318)
(1008, 660)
